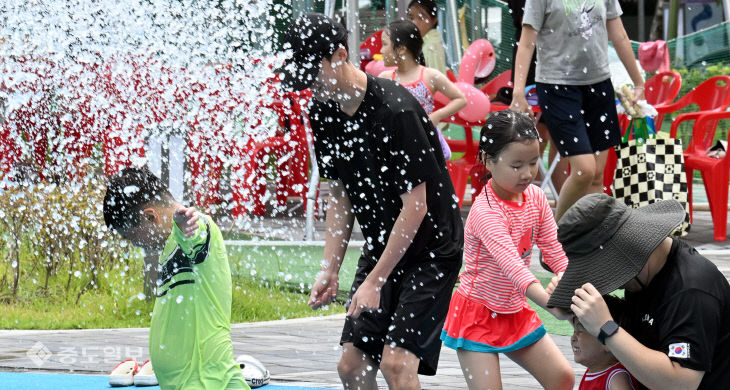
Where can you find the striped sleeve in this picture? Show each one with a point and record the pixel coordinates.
(491, 228)
(547, 238)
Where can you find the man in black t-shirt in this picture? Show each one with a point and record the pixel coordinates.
(381, 155)
(676, 331)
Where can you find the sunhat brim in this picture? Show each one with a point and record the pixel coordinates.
(620, 259)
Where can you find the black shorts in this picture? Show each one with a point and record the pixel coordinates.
(413, 306)
(582, 119)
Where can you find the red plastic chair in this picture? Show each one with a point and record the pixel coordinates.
(659, 91)
(715, 171)
(288, 148)
(371, 46)
(461, 169)
(713, 95)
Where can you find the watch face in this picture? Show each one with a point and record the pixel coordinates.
(609, 328)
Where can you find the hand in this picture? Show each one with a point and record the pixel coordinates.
(519, 104)
(435, 119)
(638, 93)
(590, 308)
(553, 283)
(367, 297)
(560, 313)
(324, 290)
(186, 219)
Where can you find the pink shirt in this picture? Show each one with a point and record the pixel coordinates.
(498, 240)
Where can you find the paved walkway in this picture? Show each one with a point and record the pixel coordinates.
(299, 351)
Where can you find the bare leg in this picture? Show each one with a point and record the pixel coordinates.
(583, 173)
(481, 370)
(400, 368)
(357, 371)
(544, 361)
(597, 185)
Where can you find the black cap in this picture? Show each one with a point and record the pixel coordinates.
(311, 37)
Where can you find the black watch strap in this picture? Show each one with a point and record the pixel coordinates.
(607, 330)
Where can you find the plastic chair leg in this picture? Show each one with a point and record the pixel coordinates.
(609, 172)
(459, 179)
(716, 185)
(690, 173)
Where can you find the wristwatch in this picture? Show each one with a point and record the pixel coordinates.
(607, 330)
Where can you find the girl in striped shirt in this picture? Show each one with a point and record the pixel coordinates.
(489, 313)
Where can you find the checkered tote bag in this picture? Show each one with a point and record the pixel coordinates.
(650, 170)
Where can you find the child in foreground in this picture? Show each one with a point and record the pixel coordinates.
(402, 45)
(190, 330)
(603, 371)
(489, 313)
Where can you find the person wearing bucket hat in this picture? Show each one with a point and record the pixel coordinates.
(383, 161)
(676, 331)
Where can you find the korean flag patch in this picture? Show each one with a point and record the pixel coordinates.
(679, 350)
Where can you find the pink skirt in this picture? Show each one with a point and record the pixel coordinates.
(472, 326)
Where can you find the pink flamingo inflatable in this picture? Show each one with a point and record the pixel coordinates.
(478, 61)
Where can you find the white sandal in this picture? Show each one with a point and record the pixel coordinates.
(145, 376)
(123, 373)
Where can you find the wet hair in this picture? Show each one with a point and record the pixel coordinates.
(404, 33)
(503, 128)
(429, 6)
(128, 193)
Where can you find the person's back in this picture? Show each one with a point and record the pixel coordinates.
(675, 332)
(190, 341)
(661, 315)
(191, 322)
(379, 175)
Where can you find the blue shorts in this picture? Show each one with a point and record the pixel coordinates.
(582, 119)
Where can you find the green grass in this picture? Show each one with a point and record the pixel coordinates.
(118, 302)
(293, 266)
(552, 324)
(297, 266)
(269, 283)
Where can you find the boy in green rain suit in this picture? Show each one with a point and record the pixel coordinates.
(190, 332)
